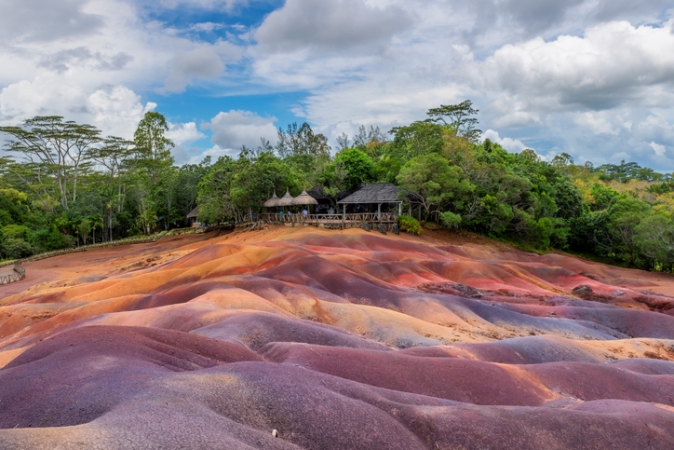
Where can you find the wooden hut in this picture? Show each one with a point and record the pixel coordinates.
(304, 199)
(373, 195)
(272, 202)
(286, 200)
(192, 217)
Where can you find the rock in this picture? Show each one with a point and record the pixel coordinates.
(583, 291)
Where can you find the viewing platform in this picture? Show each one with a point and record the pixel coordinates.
(386, 219)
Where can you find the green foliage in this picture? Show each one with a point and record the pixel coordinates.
(450, 220)
(409, 225)
(358, 167)
(153, 148)
(69, 186)
(459, 118)
(433, 183)
(603, 197)
(15, 248)
(655, 238)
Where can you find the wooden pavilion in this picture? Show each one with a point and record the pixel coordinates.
(374, 205)
(381, 195)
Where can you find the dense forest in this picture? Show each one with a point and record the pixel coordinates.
(62, 184)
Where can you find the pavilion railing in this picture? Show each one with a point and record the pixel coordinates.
(384, 217)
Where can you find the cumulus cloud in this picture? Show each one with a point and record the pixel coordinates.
(236, 128)
(198, 63)
(117, 111)
(214, 152)
(183, 135)
(44, 20)
(586, 77)
(331, 24)
(611, 64)
(512, 145)
(63, 60)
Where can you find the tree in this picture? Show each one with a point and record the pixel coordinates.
(433, 183)
(459, 118)
(655, 238)
(301, 141)
(358, 166)
(625, 215)
(51, 149)
(153, 148)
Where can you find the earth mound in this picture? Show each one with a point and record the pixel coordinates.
(311, 339)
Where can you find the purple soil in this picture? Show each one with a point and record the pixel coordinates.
(336, 340)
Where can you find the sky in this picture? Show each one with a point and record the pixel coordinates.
(591, 78)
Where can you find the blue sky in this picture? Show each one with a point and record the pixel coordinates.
(591, 78)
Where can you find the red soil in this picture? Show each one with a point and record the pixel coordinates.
(336, 340)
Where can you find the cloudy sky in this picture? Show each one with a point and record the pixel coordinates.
(594, 78)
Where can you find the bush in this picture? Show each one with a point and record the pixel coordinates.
(15, 248)
(409, 225)
(450, 220)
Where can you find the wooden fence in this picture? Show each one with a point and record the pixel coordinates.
(19, 273)
(330, 219)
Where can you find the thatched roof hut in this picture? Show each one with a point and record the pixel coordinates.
(272, 202)
(373, 193)
(286, 200)
(305, 199)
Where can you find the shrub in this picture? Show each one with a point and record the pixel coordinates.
(409, 225)
(15, 248)
(450, 220)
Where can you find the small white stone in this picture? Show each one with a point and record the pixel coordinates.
(274, 433)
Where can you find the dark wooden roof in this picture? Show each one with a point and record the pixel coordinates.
(374, 193)
(193, 213)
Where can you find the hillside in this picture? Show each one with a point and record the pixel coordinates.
(335, 339)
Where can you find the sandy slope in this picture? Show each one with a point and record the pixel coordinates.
(339, 340)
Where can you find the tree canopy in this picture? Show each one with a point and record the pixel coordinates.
(62, 184)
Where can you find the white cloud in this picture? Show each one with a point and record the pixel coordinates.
(117, 111)
(202, 62)
(45, 20)
(236, 128)
(184, 133)
(93, 72)
(214, 152)
(591, 78)
(597, 122)
(611, 64)
(658, 148)
(512, 145)
(331, 24)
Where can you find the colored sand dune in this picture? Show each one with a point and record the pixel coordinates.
(336, 340)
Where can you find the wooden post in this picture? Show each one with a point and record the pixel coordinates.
(343, 214)
(379, 212)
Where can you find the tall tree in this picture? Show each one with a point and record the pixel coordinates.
(458, 117)
(52, 148)
(153, 148)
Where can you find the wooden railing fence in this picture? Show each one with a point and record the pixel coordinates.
(18, 275)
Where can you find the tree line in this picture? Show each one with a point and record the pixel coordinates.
(67, 185)
(63, 184)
